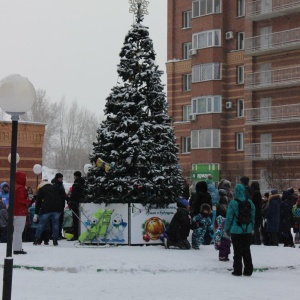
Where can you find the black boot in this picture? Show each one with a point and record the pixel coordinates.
(37, 241)
(55, 243)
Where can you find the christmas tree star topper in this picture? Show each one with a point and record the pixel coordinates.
(138, 7)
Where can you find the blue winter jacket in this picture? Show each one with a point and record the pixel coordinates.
(231, 225)
(213, 191)
(3, 194)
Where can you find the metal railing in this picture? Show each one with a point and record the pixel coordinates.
(276, 78)
(264, 151)
(273, 114)
(288, 39)
(260, 9)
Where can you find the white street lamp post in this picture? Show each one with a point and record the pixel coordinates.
(17, 96)
(86, 168)
(37, 170)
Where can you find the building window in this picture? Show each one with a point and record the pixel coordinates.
(206, 105)
(240, 141)
(240, 74)
(207, 39)
(240, 41)
(187, 82)
(206, 72)
(207, 138)
(186, 50)
(186, 111)
(186, 144)
(240, 108)
(187, 19)
(206, 7)
(240, 8)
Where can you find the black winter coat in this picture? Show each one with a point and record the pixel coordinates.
(179, 228)
(273, 213)
(61, 192)
(286, 215)
(257, 201)
(77, 193)
(197, 199)
(47, 200)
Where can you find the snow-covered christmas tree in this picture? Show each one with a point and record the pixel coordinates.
(135, 155)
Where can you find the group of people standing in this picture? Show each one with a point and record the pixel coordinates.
(47, 207)
(218, 216)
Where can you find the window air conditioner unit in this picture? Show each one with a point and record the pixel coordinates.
(228, 105)
(192, 117)
(193, 51)
(229, 35)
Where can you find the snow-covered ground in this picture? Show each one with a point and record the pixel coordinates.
(150, 272)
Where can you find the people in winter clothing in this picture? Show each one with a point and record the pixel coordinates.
(223, 203)
(3, 222)
(4, 193)
(226, 185)
(179, 227)
(30, 193)
(21, 203)
(202, 225)
(76, 197)
(296, 221)
(257, 201)
(200, 197)
(240, 234)
(58, 184)
(248, 192)
(222, 241)
(286, 217)
(273, 217)
(214, 193)
(197, 199)
(48, 206)
(264, 210)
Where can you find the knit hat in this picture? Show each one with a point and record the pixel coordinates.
(77, 174)
(274, 192)
(239, 192)
(183, 202)
(58, 175)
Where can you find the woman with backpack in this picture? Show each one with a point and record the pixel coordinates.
(240, 220)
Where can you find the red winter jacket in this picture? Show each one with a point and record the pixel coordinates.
(21, 195)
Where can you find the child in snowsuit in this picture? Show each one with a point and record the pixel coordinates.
(201, 224)
(222, 241)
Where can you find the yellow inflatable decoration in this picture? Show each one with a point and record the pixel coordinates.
(100, 163)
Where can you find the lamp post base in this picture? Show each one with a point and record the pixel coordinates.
(7, 278)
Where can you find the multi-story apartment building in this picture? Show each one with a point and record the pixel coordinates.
(233, 86)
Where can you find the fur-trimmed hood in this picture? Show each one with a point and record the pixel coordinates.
(271, 197)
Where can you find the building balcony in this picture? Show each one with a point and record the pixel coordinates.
(273, 42)
(267, 9)
(273, 79)
(264, 151)
(274, 114)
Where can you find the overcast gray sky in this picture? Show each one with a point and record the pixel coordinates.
(71, 48)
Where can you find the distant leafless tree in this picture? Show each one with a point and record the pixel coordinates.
(278, 173)
(44, 112)
(70, 132)
(76, 131)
